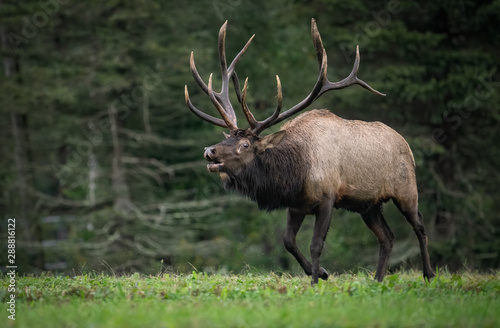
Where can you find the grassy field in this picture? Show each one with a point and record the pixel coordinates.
(254, 300)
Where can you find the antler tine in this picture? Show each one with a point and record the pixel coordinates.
(222, 49)
(200, 114)
(361, 82)
(230, 70)
(196, 75)
(236, 83)
(231, 124)
(223, 95)
(312, 95)
(318, 43)
(261, 126)
(249, 116)
(349, 80)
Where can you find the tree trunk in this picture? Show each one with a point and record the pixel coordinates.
(121, 192)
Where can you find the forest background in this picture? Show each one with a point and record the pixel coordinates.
(101, 161)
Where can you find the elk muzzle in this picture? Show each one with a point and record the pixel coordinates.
(209, 155)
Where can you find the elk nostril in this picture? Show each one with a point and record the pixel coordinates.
(209, 152)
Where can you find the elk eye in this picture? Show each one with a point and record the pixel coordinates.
(245, 145)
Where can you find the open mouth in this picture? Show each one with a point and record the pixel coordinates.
(215, 167)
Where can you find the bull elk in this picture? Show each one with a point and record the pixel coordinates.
(314, 163)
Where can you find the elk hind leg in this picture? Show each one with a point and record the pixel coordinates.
(374, 219)
(415, 218)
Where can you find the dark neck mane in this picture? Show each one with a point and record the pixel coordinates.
(275, 179)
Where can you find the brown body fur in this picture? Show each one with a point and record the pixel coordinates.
(359, 164)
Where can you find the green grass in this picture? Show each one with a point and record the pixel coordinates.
(254, 300)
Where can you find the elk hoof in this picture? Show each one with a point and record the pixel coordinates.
(323, 274)
(429, 275)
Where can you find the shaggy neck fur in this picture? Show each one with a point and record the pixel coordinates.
(275, 179)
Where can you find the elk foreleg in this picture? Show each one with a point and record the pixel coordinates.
(374, 219)
(321, 226)
(294, 222)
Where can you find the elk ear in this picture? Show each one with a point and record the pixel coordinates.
(270, 141)
(226, 135)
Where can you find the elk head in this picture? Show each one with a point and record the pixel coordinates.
(242, 146)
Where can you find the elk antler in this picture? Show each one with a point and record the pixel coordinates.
(220, 99)
(223, 104)
(322, 84)
(260, 125)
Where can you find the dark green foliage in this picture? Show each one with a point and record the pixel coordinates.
(96, 132)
